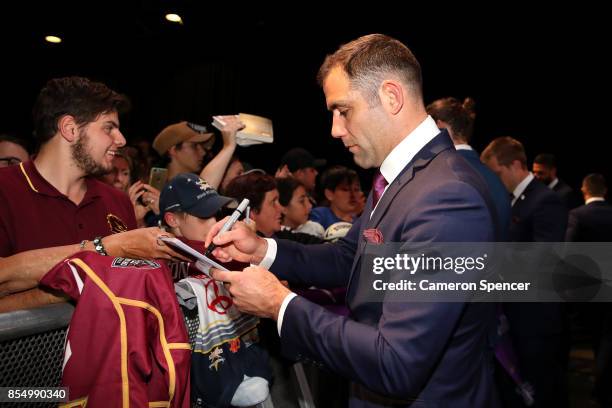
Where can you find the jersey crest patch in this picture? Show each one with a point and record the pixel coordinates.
(134, 263)
(116, 224)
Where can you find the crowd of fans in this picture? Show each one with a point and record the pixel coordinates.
(82, 159)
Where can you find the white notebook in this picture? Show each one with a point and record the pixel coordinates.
(257, 129)
(202, 260)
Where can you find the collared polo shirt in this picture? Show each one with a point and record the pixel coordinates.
(34, 214)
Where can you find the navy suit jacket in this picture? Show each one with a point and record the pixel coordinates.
(567, 195)
(413, 354)
(590, 223)
(498, 191)
(538, 215)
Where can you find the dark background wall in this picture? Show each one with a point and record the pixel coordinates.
(535, 75)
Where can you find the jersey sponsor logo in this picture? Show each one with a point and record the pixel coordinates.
(215, 358)
(134, 263)
(215, 300)
(234, 345)
(116, 224)
(179, 270)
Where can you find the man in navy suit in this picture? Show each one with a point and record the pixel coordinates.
(538, 330)
(458, 119)
(396, 353)
(592, 222)
(545, 170)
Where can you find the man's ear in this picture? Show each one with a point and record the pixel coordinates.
(172, 151)
(391, 94)
(329, 194)
(283, 172)
(68, 128)
(172, 220)
(252, 221)
(517, 165)
(441, 124)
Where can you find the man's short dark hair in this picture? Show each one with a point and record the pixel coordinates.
(506, 150)
(595, 184)
(547, 160)
(298, 158)
(369, 60)
(286, 186)
(336, 175)
(79, 97)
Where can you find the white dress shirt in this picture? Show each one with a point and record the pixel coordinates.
(463, 146)
(593, 199)
(518, 191)
(405, 151)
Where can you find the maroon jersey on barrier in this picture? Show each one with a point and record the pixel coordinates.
(34, 214)
(126, 344)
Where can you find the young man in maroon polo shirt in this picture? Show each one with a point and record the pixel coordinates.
(53, 206)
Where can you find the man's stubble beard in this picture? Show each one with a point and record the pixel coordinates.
(83, 159)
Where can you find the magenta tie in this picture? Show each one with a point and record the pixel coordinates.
(378, 187)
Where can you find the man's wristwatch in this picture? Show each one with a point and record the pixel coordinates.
(98, 246)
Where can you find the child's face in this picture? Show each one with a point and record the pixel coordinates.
(296, 212)
(194, 228)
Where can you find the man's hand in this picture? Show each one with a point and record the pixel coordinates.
(142, 243)
(255, 290)
(229, 130)
(283, 172)
(240, 243)
(151, 198)
(24, 270)
(144, 198)
(213, 172)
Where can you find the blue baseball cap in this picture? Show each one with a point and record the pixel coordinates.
(190, 194)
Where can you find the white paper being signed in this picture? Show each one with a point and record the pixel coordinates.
(203, 261)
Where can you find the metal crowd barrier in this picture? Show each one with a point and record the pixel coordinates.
(32, 347)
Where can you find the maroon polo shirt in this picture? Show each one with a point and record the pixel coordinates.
(33, 214)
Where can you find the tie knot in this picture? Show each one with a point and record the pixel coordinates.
(379, 181)
(378, 187)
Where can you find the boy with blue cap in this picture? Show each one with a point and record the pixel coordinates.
(227, 364)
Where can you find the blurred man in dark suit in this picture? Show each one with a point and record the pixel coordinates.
(538, 330)
(545, 170)
(592, 222)
(458, 119)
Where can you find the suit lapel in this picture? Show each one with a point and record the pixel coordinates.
(516, 208)
(438, 144)
(520, 210)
